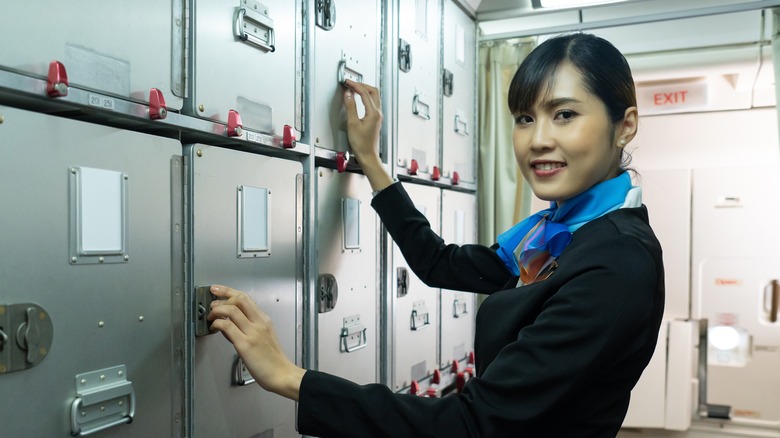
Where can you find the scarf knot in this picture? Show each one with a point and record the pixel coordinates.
(543, 236)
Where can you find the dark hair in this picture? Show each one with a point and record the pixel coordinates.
(605, 72)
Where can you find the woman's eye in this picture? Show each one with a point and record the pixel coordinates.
(523, 120)
(564, 115)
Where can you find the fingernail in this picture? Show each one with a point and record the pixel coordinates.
(348, 95)
(215, 288)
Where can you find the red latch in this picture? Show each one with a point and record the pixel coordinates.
(436, 175)
(455, 366)
(57, 82)
(341, 161)
(413, 168)
(460, 381)
(234, 126)
(470, 365)
(433, 389)
(157, 108)
(436, 379)
(455, 178)
(414, 388)
(288, 137)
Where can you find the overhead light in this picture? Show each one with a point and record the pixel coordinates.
(560, 4)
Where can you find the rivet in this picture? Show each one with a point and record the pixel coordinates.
(102, 377)
(42, 351)
(83, 414)
(176, 227)
(73, 259)
(102, 408)
(201, 108)
(101, 259)
(2, 119)
(127, 257)
(121, 373)
(121, 403)
(73, 170)
(125, 176)
(199, 153)
(42, 316)
(238, 255)
(101, 324)
(141, 318)
(83, 382)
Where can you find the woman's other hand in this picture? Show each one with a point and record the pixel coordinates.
(251, 332)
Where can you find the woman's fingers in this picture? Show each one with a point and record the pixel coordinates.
(370, 95)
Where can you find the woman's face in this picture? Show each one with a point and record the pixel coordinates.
(566, 142)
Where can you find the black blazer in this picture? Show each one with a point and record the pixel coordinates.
(557, 358)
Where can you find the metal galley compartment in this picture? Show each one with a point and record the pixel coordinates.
(244, 67)
(347, 284)
(415, 315)
(417, 140)
(90, 323)
(458, 309)
(245, 232)
(113, 49)
(459, 129)
(347, 47)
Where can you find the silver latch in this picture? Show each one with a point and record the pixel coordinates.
(420, 108)
(26, 334)
(328, 290)
(345, 73)
(353, 335)
(104, 399)
(241, 375)
(326, 14)
(458, 308)
(404, 55)
(420, 317)
(203, 299)
(401, 282)
(253, 25)
(447, 82)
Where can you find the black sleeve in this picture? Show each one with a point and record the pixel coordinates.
(470, 268)
(587, 335)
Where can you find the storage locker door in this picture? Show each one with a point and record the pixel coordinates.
(418, 88)
(735, 261)
(347, 325)
(416, 310)
(245, 58)
(88, 219)
(343, 48)
(245, 235)
(459, 85)
(117, 48)
(458, 309)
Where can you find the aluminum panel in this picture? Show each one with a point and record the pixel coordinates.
(459, 128)
(418, 89)
(92, 41)
(215, 176)
(351, 48)
(259, 82)
(104, 315)
(415, 352)
(458, 225)
(355, 271)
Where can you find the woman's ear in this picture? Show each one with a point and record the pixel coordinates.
(626, 129)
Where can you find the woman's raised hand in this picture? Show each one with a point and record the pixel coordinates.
(363, 134)
(251, 332)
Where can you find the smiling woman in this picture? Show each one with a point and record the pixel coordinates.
(576, 290)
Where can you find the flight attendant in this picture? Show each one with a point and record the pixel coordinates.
(576, 291)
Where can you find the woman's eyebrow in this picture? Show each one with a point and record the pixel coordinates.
(558, 101)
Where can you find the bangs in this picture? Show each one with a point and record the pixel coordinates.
(535, 78)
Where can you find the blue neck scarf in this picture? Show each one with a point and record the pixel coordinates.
(546, 233)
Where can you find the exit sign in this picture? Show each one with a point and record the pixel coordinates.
(672, 97)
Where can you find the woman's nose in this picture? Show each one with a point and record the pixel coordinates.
(542, 137)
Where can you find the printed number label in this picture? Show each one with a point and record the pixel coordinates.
(101, 102)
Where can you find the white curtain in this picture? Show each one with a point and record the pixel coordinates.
(502, 192)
